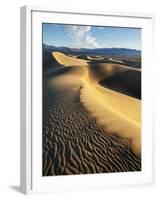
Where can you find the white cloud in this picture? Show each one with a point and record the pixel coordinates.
(81, 36)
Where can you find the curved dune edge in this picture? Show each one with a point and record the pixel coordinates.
(68, 61)
(114, 112)
(111, 118)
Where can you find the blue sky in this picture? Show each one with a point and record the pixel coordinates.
(78, 36)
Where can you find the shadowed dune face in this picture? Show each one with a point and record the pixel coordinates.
(127, 82)
(87, 127)
(98, 72)
(49, 62)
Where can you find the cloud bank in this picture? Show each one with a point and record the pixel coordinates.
(81, 36)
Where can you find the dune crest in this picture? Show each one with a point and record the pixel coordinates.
(68, 61)
(114, 112)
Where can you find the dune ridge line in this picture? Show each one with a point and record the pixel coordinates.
(114, 112)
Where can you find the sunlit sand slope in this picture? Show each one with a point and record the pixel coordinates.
(114, 112)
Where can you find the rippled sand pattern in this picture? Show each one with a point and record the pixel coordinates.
(74, 144)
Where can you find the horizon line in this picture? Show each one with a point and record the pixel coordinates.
(91, 48)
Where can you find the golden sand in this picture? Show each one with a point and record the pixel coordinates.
(68, 61)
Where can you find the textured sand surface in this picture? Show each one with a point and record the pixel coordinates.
(75, 139)
(74, 144)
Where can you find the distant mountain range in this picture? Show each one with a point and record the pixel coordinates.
(96, 51)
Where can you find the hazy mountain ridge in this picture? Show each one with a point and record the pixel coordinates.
(99, 51)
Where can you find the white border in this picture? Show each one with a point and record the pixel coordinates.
(31, 92)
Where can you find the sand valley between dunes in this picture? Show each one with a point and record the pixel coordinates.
(88, 127)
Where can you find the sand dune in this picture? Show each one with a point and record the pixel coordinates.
(114, 112)
(118, 61)
(74, 142)
(67, 60)
(100, 58)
